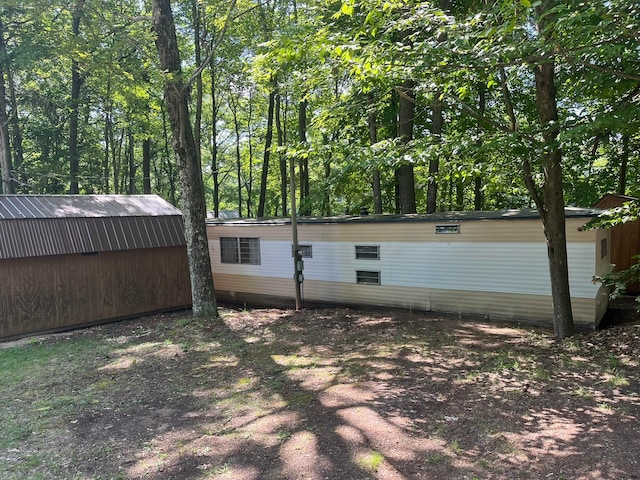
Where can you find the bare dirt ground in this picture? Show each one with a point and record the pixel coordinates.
(321, 394)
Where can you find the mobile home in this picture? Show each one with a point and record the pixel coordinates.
(492, 264)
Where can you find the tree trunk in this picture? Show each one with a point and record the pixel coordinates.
(478, 197)
(6, 168)
(236, 125)
(267, 154)
(372, 120)
(624, 162)
(214, 141)
(132, 164)
(282, 158)
(191, 184)
(552, 211)
(169, 163)
(197, 128)
(406, 181)
(434, 164)
(76, 84)
(305, 208)
(16, 132)
(146, 166)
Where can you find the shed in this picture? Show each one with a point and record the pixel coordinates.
(74, 260)
(625, 238)
(492, 264)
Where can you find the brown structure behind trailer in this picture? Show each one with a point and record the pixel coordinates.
(625, 238)
(69, 261)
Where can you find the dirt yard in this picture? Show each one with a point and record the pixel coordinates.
(321, 394)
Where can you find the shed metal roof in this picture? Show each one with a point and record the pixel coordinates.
(39, 225)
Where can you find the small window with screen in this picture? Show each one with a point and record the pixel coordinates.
(367, 278)
(367, 252)
(448, 229)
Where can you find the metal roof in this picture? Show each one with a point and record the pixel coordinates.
(516, 214)
(38, 225)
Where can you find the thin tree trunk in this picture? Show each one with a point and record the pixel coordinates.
(214, 141)
(624, 162)
(16, 132)
(6, 167)
(372, 120)
(146, 166)
(249, 184)
(406, 181)
(76, 84)
(437, 122)
(197, 127)
(236, 125)
(132, 164)
(305, 208)
(169, 164)
(478, 197)
(191, 184)
(267, 153)
(282, 158)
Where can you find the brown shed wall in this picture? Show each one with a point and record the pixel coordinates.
(625, 239)
(63, 291)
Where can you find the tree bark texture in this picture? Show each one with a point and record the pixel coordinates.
(434, 164)
(372, 120)
(76, 85)
(6, 167)
(553, 216)
(406, 114)
(146, 166)
(190, 172)
(267, 154)
(282, 158)
(214, 140)
(303, 161)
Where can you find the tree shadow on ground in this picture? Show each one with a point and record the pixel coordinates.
(345, 395)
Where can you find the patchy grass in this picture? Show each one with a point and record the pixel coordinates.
(340, 394)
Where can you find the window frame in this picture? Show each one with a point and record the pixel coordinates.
(367, 252)
(368, 277)
(240, 250)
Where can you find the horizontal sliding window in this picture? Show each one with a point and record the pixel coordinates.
(368, 252)
(368, 278)
(240, 250)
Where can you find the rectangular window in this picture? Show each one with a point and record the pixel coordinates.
(368, 278)
(240, 250)
(306, 251)
(448, 229)
(368, 252)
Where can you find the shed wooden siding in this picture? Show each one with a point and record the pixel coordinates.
(36, 294)
(492, 267)
(71, 260)
(625, 239)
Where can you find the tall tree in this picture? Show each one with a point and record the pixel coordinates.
(191, 184)
(6, 167)
(76, 84)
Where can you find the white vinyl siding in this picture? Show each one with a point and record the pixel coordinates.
(520, 268)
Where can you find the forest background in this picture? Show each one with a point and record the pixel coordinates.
(356, 94)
